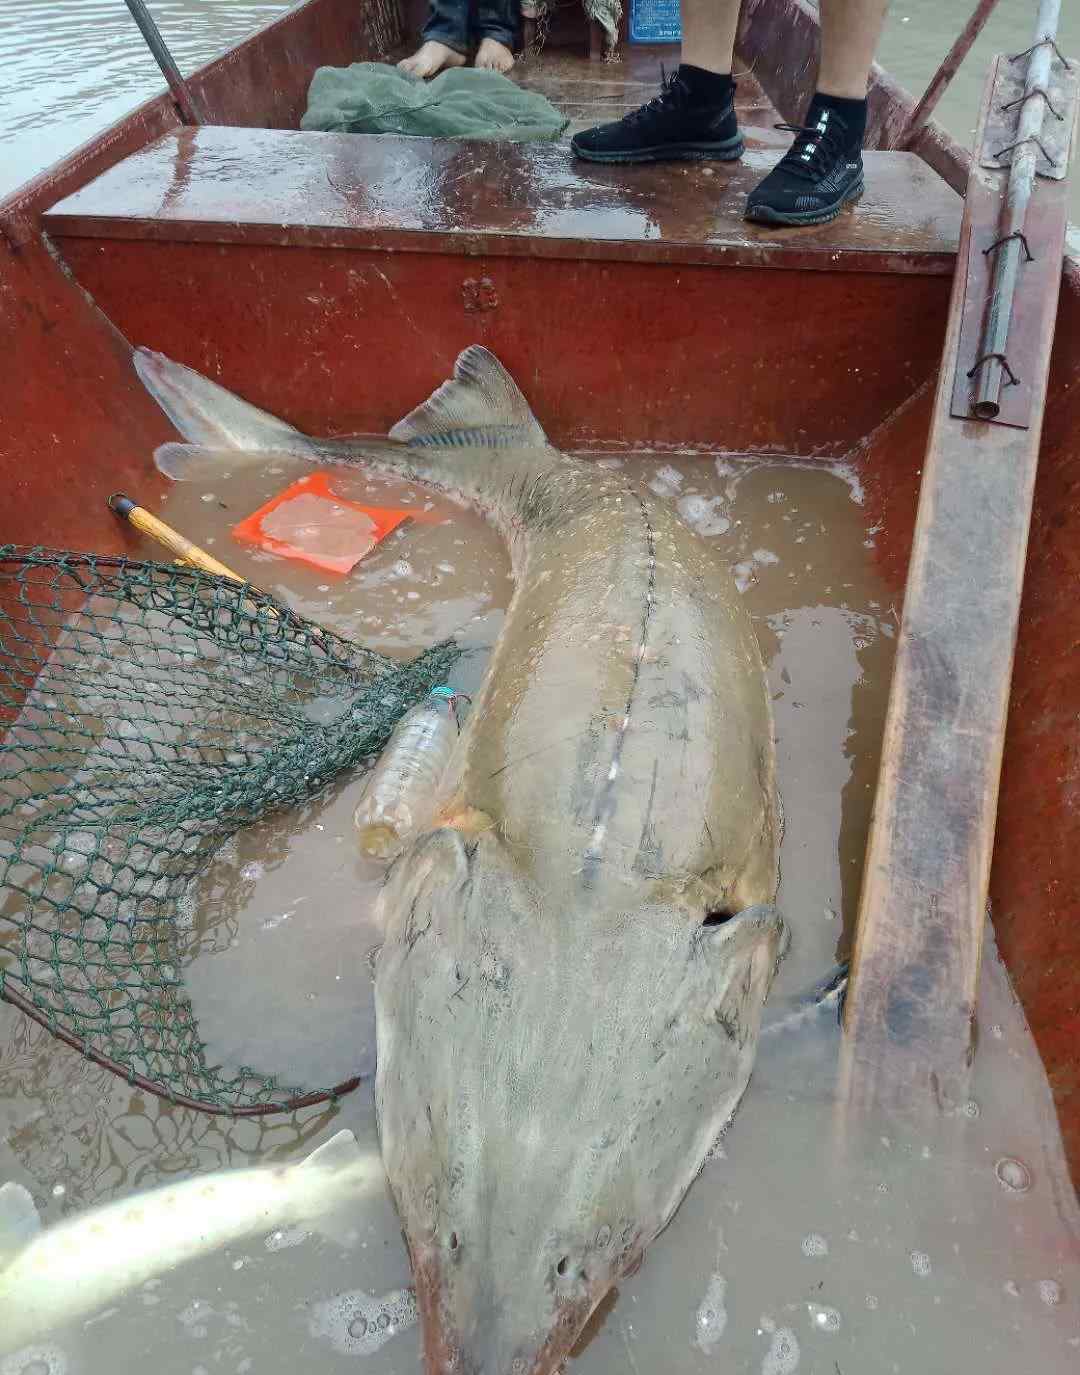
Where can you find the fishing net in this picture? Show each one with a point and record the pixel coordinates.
(149, 711)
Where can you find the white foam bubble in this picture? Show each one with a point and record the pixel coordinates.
(666, 481)
(251, 873)
(45, 1359)
(782, 1357)
(1013, 1175)
(743, 573)
(285, 1237)
(704, 515)
(1050, 1292)
(764, 556)
(193, 1318)
(711, 1315)
(815, 1245)
(358, 1324)
(825, 1318)
(846, 473)
(920, 1263)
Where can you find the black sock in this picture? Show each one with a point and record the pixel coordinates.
(852, 112)
(706, 88)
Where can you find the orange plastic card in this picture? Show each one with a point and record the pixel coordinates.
(310, 522)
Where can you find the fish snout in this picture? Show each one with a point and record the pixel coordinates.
(485, 1338)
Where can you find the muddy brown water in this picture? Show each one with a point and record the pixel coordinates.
(812, 1243)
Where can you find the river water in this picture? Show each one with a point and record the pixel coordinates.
(70, 67)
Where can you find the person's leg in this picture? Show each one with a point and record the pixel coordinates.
(708, 34)
(694, 115)
(445, 39)
(823, 171)
(850, 32)
(497, 23)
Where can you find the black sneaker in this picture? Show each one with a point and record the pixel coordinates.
(670, 127)
(819, 174)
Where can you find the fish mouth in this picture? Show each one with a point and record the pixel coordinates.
(446, 1352)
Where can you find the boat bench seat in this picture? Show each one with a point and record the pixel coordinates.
(217, 185)
(333, 279)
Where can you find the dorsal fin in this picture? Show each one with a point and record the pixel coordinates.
(19, 1221)
(481, 406)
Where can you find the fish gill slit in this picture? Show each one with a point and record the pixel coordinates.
(605, 805)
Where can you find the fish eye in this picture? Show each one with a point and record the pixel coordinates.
(454, 1242)
(563, 1267)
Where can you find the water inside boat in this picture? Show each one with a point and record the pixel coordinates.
(812, 1242)
(333, 280)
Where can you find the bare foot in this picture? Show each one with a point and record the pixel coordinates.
(431, 58)
(493, 56)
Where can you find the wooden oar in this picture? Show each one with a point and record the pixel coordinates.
(186, 552)
(914, 977)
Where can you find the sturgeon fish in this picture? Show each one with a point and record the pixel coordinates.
(51, 1277)
(576, 955)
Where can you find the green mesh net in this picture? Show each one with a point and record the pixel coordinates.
(148, 712)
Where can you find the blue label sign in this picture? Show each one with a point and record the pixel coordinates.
(655, 21)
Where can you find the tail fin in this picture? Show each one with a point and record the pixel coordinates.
(481, 406)
(194, 463)
(208, 415)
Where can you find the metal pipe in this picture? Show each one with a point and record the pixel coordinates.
(191, 111)
(991, 364)
(939, 82)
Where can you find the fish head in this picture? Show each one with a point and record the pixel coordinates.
(546, 1091)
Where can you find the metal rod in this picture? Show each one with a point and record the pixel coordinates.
(939, 82)
(990, 371)
(191, 111)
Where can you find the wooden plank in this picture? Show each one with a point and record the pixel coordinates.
(914, 977)
(276, 186)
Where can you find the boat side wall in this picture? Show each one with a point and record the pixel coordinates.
(74, 418)
(1035, 881)
(1035, 886)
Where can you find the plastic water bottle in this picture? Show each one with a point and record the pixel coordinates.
(400, 794)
